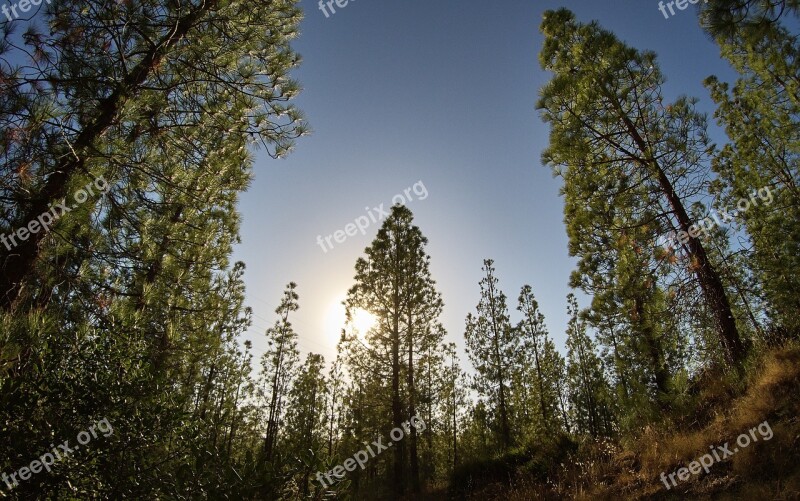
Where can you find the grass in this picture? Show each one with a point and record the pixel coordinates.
(721, 411)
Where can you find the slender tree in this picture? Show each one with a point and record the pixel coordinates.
(279, 364)
(455, 401)
(535, 336)
(493, 347)
(588, 389)
(305, 422)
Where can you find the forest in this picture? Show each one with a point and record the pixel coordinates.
(128, 131)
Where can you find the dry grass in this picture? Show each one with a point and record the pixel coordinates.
(763, 470)
(773, 395)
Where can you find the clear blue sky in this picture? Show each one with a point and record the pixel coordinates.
(441, 92)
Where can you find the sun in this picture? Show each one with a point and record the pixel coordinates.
(361, 322)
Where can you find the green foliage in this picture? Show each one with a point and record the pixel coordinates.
(761, 115)
(737, 18)
(493, 347)
(591, 404)
(396, 367)
(540, 374)
(130, 310)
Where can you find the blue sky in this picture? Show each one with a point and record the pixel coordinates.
(441, 92)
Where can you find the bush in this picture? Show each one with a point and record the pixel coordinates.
(533, 462)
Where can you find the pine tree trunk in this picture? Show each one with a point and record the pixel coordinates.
(415, 484)
(710, 282)
(504, 427)
(397, 407)
(18, 263)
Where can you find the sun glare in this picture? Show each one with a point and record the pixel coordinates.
(335, 320)
(361, 322)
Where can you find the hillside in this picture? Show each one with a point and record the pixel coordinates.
(768, 468)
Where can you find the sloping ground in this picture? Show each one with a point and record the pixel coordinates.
(763, 465)
(756, 437)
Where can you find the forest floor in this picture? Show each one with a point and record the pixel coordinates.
(747, 435)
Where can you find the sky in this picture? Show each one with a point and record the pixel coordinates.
(441, 95)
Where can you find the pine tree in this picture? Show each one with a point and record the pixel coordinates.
(588, 389)
(609, 133)
(130, 304)
(534, 341)
(333, 403)
(454, 399)
(431, 389)
(493, 347)
(306, 421)
(279, 364)
(132, 81)
(554, 370)
(758, 170)
(393, 283)
(732, 18)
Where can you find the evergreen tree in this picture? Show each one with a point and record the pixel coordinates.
(432, 398)
(610, 134)
(535, 369)
(732, 18)
(477, 441)
(454, 402)
(493, 347)
(306, 422)
(117, 85)
(588, 388)
(278, 366)
(554, 370)
(759, 170)
(393, 283)
(129, 305)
